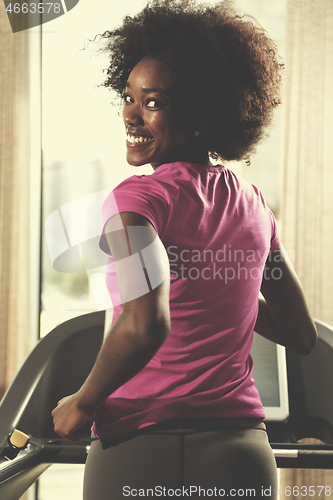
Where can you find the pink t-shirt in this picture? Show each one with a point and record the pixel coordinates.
(218, 233)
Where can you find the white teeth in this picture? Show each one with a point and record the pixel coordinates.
(135, 139)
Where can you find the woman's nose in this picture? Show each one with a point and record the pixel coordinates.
(132, 116)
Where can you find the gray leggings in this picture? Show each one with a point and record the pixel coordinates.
(229, 458)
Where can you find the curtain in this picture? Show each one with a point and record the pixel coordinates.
(14, 200)
(307, 208)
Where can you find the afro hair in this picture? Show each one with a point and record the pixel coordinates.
(224, 62)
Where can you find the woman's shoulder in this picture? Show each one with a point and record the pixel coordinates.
(135, 194)
(162, 183)
(132, 182)
(138, 181)
(243, 190)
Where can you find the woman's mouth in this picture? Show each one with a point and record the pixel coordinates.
(134, 140)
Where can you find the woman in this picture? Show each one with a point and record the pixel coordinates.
(175, 409)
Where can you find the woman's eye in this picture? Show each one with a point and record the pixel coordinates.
(128, 98)
(153, 103)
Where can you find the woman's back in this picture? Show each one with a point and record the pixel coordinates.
(217, 231)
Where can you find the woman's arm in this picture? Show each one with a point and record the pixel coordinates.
(138, 332)
(283, 315)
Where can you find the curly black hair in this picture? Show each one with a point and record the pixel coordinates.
(224, 62)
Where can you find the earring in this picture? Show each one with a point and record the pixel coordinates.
(197, 133)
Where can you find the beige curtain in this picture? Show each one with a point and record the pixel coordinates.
(14, 200)
(307, 214)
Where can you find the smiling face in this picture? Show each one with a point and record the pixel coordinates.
(155, 126)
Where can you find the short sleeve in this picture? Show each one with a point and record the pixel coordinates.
(275, 238)
(139, 194)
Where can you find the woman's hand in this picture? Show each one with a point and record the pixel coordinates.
(70, 421)
(284, 316)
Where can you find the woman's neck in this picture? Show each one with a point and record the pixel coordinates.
(200, 159)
